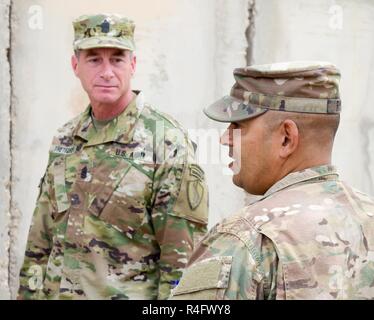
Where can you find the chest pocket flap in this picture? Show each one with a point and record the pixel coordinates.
(207, 279)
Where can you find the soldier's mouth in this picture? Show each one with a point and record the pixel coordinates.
(234, 166)
(233, 160)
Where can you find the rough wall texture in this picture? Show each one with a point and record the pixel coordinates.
(5, 94)
(342, 32)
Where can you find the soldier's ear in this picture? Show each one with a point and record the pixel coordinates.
(74, 64)
(289, 138)
(133, 63)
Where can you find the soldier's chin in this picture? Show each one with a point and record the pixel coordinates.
(105, 99)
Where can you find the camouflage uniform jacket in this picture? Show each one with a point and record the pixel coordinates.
(309, 237)
(118, 212)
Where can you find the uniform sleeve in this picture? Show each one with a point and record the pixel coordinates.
(38, 246)
(225, 267)
(179, 213)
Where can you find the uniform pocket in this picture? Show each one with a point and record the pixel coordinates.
(59, 184)
(206, 280)
(300, 280)
(125, 204)
(320, 278)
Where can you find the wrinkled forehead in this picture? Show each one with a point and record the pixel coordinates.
(104, 52)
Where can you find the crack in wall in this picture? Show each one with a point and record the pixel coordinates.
(250, 34)
(250, 31)
(5, 194)
(367, 133)
(367, 130)
(13, 218)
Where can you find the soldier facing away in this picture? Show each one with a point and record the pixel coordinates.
(122, 201)
(309, 235)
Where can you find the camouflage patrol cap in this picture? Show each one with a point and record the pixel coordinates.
(299, 86)
(103, 31)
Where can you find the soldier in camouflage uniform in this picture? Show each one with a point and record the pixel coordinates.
(309, 235)
(122, 201)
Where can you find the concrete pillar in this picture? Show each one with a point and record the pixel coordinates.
(5, 159)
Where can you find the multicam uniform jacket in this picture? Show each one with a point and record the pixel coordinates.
(310, 237)
(118, 212)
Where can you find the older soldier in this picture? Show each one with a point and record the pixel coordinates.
(309, 235)
(122, 200)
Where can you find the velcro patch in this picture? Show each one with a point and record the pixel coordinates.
(212, 273)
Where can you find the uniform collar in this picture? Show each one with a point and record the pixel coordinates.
(325, 172)
(120, 129)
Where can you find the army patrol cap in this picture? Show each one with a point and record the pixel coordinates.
(298, 86)
(103, 31)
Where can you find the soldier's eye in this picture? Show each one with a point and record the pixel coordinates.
(93, 60)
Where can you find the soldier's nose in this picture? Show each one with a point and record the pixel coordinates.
(226, 139)
(107, 75)
(223, 139)
(107, 72)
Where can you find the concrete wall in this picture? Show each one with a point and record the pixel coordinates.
(342, 32)
(4, 149)
(186, 51)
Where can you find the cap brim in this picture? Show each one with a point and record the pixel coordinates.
(103, 42)
(230, 109)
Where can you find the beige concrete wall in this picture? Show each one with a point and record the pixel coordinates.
(342, 32)
(4, 149)
(186, 51)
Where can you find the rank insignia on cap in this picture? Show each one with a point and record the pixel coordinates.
(105, 26)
